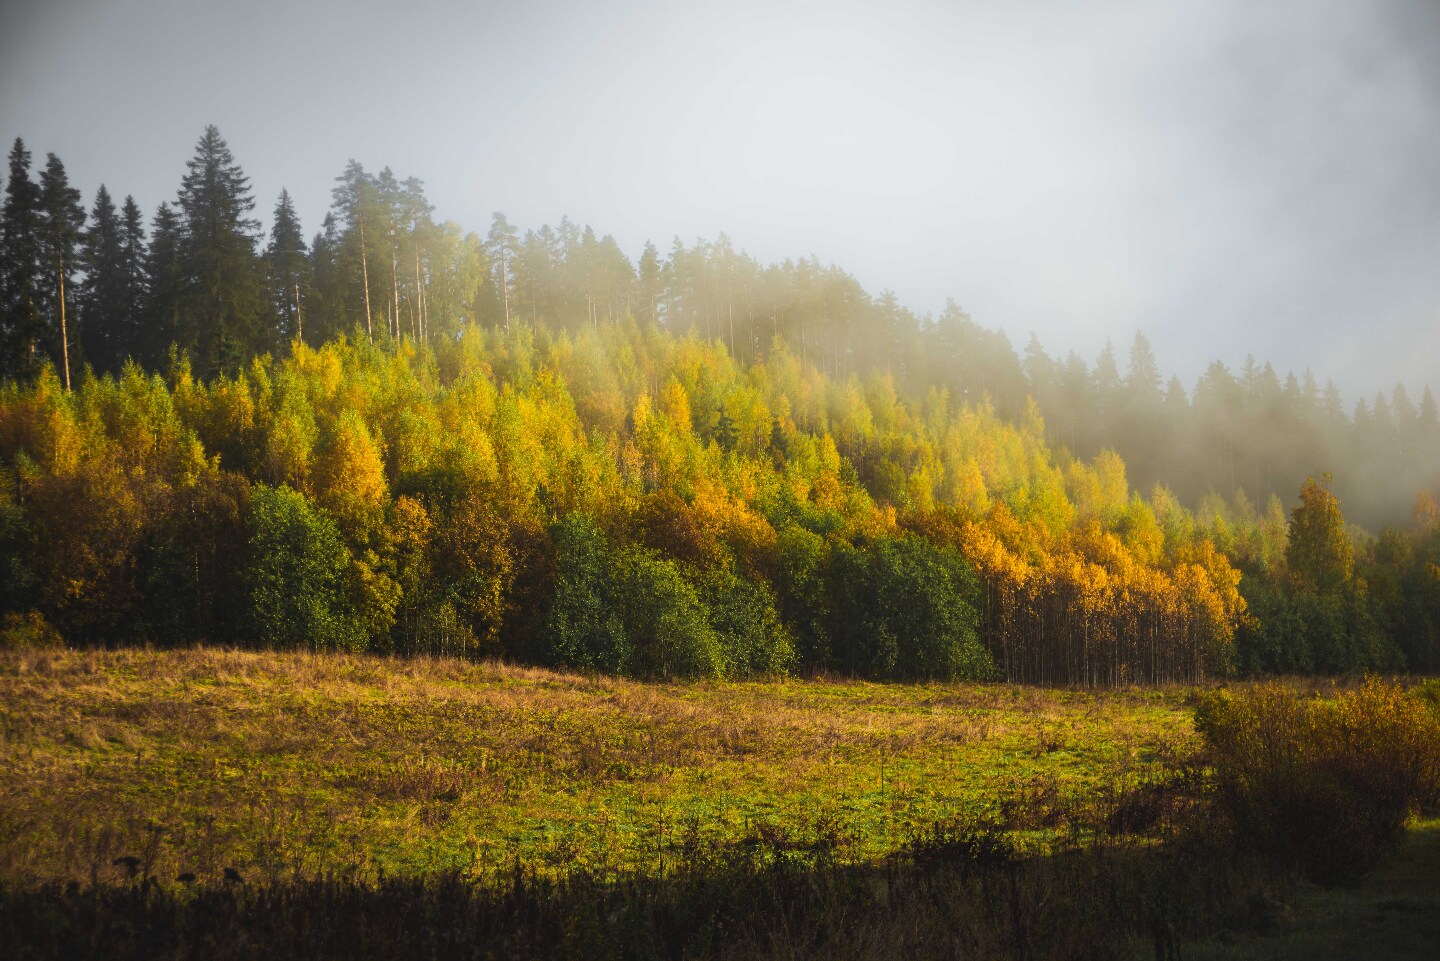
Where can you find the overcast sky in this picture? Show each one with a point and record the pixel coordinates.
(1229, 176)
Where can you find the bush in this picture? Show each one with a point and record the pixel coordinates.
(1323, 785)
(28, 631)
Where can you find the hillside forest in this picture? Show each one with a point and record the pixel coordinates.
(402, 437)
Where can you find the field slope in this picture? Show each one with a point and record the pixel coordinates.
(270, 765)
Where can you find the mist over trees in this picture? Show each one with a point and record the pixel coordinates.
(1074, 520)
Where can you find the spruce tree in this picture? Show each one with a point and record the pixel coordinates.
(22, 318)
(101, 295)
(287, 270)
(134, 287)
(223, 300)
(164, 288)
(62, 220)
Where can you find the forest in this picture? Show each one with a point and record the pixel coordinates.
(402, 437)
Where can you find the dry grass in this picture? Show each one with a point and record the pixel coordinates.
(282, 764)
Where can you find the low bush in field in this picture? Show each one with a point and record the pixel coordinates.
(1325, 785)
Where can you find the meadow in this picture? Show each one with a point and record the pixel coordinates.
(219, 803)
(277, 765)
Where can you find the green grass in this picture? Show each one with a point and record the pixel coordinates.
(285, 764)
(1394, 914)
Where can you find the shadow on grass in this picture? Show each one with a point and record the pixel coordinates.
(951, 893)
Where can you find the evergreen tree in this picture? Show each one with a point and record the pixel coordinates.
(651, 285)
(22, 319)
(500, 246)
(356, 201)
(325, 306)
(102, 296)
(62, 219)
(163, 287)
(415, 220)
(223, 302)
(132, 262)
(287, 270)
(134, 287)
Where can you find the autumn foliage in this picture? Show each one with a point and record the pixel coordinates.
(617, 499)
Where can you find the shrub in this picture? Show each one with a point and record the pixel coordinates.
(28, 631)
(1324, 785)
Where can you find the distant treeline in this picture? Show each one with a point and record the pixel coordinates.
(403, 437)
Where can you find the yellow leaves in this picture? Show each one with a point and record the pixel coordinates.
(640, 414)
(349, 470)
(675, 404)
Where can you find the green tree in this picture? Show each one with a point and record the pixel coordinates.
(287, 270)
(1319, 553)
(904, 608)
(500, 246)
(223, 301)
(22, 283)
(743, 616)
(133, 287)
(665, 621)
(63, 219)
(356, 200)
(297, 575)
(164, 287)
(582, 625)
(103, 296)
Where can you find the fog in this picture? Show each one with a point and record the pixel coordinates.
(1232, 178)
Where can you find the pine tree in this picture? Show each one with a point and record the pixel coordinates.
(101, 296)
(223, 304)
(415, 218)
(132, 268)
(355, 200)
(63, 219)
(22, 285)
(500, 246)
(164, 287)
(651, 283)
(325, 308)
(287, 269)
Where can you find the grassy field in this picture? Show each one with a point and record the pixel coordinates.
(278, 765)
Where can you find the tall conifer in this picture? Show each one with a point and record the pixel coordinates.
(63, 219)
(22, 318)
(287, 269)
(224, 305)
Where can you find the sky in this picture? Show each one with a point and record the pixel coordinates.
(1229, 177)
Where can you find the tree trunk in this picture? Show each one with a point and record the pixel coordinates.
(505, 288)
(395, 292)
(64, 331)
(365, 279)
